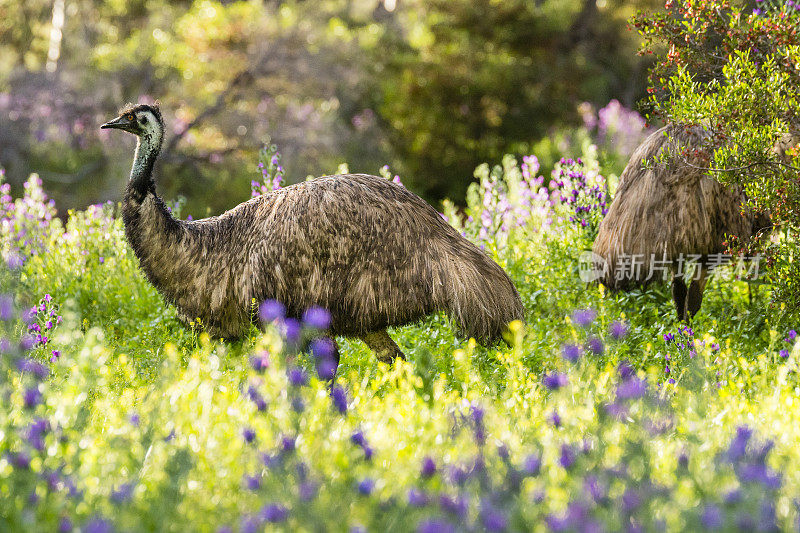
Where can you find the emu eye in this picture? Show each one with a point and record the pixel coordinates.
(129, 117)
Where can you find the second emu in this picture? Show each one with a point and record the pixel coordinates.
(667, 209)
(368, 250)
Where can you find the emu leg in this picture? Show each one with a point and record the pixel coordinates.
(679, 296)
(386, 350)
(696, 288)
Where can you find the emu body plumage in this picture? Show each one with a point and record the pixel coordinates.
(667, 208)
(368, 250)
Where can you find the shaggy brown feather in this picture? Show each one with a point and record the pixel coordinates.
(368, 250)
(666, 206)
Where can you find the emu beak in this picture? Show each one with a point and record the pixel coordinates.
(120, 123)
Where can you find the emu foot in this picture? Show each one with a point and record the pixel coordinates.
(384, 347)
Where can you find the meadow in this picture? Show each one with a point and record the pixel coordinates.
(604, 413)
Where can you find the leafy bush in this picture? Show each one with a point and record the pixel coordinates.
(735, 70)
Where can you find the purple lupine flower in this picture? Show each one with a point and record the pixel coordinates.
(625, 370)
(288, 444)
(618, 329)
(339, 399)
(571, 352)
(532, 465)
(493, 519)
(54, 355)
(711, 517)
(669, 337)
(738, 446)
(123, 493)
(435, 525)
(366, 486)
(271, 310)
(417, 498)
(307, 491)
(784, 353)
(297, 377)
(99, 525)
(33, 367)
(455, 505)
(31, 397)
(249, 435)
(358, 438)
(260, 361)
(274, 513)
(428, 467)
(291, 330)
(322, 348)
(326, 368)
(631, 389)
(584, 317)
(555, 418)
(317, 318)
(554, 380)
(791, 336)
(252, 482)
(631, 500)
(6, 307)
(36, 432)
(250, 524)
(595, 345)
(64, 525)
(567, 457)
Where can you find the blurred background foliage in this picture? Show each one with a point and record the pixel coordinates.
(434, 87)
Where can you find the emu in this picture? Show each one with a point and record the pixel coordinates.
(368, 250)
(666, 210)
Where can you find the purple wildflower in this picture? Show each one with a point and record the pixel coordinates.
(99, 525)
(249, 435)
(584, 317)
(6, 307)
(493, 519)
(32, 397)
(271, 310)
(711, 517)
(571, 352)
(417, 498)
(428, 467)
(34, 367)
(366, 486)
(260, 361)
(532, 465)
(339, 399)
(291, 330)
(123, 493)
(274, 513)
(554, 380)
(595, 345)
(317, 318)
(435, 525)
(784, 353)
(631, 389)
(297, 377)
(252, 482)
(288, 444)
(567, 457)
(618, 329)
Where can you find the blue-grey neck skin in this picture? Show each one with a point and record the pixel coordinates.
(148, 146)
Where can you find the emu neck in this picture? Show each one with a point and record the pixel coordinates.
(141, 182)
(162, 243)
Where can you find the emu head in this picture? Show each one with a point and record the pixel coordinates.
(142, 120)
